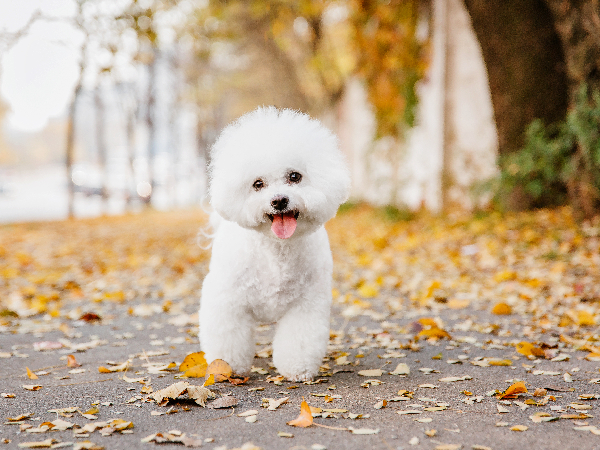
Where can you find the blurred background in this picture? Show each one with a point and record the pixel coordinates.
(109, 106)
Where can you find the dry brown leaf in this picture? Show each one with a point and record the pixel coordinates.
(199, 394)
(170, 392)
(226, 401)
(117, 368)
(32, 387)
(371, 373)
(220, 369)
(38, 444)
(305, 418)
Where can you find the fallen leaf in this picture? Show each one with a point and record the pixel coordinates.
(284, 434)
(371, 373)
(519, 428)
(502, 309)
(513, 390)
(528, 349)
(380, 404)
(30, 374)
(19, 417)
(305, 418)
(39, 444)
(237, 380)
(272, 404)
(116, 368)
(209, 381)
(220, 369)
(364, 430)
(90, 317)
(434, 333)
(199, 394)
(194, 365)
(454, 379)
(72, 362)
(162, 438)
(401, 369)
(226, 401)
(32, 387)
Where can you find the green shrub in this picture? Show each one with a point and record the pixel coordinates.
(559, 163)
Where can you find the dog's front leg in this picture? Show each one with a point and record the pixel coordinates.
(227, 334)
(300, 341)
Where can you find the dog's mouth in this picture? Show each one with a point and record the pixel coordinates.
(284, 224)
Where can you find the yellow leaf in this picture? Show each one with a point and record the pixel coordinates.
(210, 380)
(305, 418)
(220, 369)
(502, 309)
(585, 319)
(500, 362)
(191, 360)
(368, 291)
(505, 275)
(528, 349)
(31, 375)
(119, 368)
(513, 390)
(593, 356)
(428, 322)
(458, 304)
(196, 372)
(435, 333)
(519, 428)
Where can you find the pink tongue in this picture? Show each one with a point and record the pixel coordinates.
(284, 225)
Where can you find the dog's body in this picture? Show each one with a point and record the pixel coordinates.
(276, 178)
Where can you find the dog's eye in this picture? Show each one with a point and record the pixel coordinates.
(294, 177)
(258, 184)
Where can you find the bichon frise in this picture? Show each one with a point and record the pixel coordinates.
(276, 177)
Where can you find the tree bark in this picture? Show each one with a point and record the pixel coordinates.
(525, 64)
(70, 147)
(578, 25)
(101, 144)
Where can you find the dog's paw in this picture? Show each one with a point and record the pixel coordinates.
(301, 377)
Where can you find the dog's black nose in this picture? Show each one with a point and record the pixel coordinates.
(280, 202)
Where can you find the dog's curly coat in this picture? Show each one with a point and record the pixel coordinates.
(276, 177)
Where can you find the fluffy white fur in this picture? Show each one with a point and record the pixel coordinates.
(255, 276)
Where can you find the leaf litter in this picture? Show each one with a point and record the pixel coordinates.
(548, 282)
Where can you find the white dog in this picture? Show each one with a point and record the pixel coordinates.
(276, 177)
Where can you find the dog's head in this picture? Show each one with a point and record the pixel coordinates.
(279, 172)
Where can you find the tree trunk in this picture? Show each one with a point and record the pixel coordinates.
(578, 25)
(526, 71)
(70, 148)
(151, 124)
(101, 144)
(525, 64)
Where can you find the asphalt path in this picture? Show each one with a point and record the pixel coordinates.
(461, 414)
